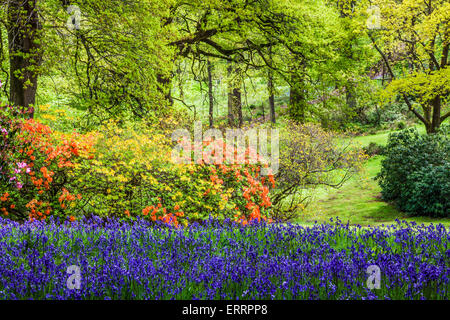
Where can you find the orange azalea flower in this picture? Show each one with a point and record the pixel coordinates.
(179, 214)
(271, 180)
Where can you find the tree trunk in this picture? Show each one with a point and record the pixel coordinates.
(234, 97)
(435, 122)
(164, 87)
(297, 98)
(270, 88)
(350, 97)
(297, 104)
(237, 105)
(211, 95)
(24, 52)
(230, 97)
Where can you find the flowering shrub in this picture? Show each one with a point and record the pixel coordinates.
(133, 175)
(9, 125)
(60, 119)
(38, 169)
(311, 157)
(127, 174)
(216, 261)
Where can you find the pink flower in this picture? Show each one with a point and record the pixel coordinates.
(19, 185)
(22, 165)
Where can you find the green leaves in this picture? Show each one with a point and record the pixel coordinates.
(415, 173)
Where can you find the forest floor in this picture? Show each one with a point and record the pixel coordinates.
(359, 200)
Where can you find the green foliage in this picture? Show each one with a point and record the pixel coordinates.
(414, 42)
(373, 149)
(401, 125)
(415, 173)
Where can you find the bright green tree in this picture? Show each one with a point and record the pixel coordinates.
(413, 41)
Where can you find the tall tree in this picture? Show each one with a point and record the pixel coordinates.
(210, 94)
(414, 45)
(234, 96)
(24, 32)
(271, 90)
(118, 59)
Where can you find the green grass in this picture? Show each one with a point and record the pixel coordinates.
(359, 200)
(382, 136)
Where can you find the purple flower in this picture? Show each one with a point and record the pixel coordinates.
(141, 260)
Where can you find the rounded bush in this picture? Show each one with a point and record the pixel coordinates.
(415, 172)
(373, 149)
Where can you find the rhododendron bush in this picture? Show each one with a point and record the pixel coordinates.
(133, 175)
(38, 167)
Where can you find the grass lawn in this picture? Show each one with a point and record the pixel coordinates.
(382, 136)
(359, 200)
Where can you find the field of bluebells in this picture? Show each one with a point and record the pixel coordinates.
(139, 260)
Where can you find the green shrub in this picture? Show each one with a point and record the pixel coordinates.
(401, 125)
(415, 173)
(373, 149)
(430, 190)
